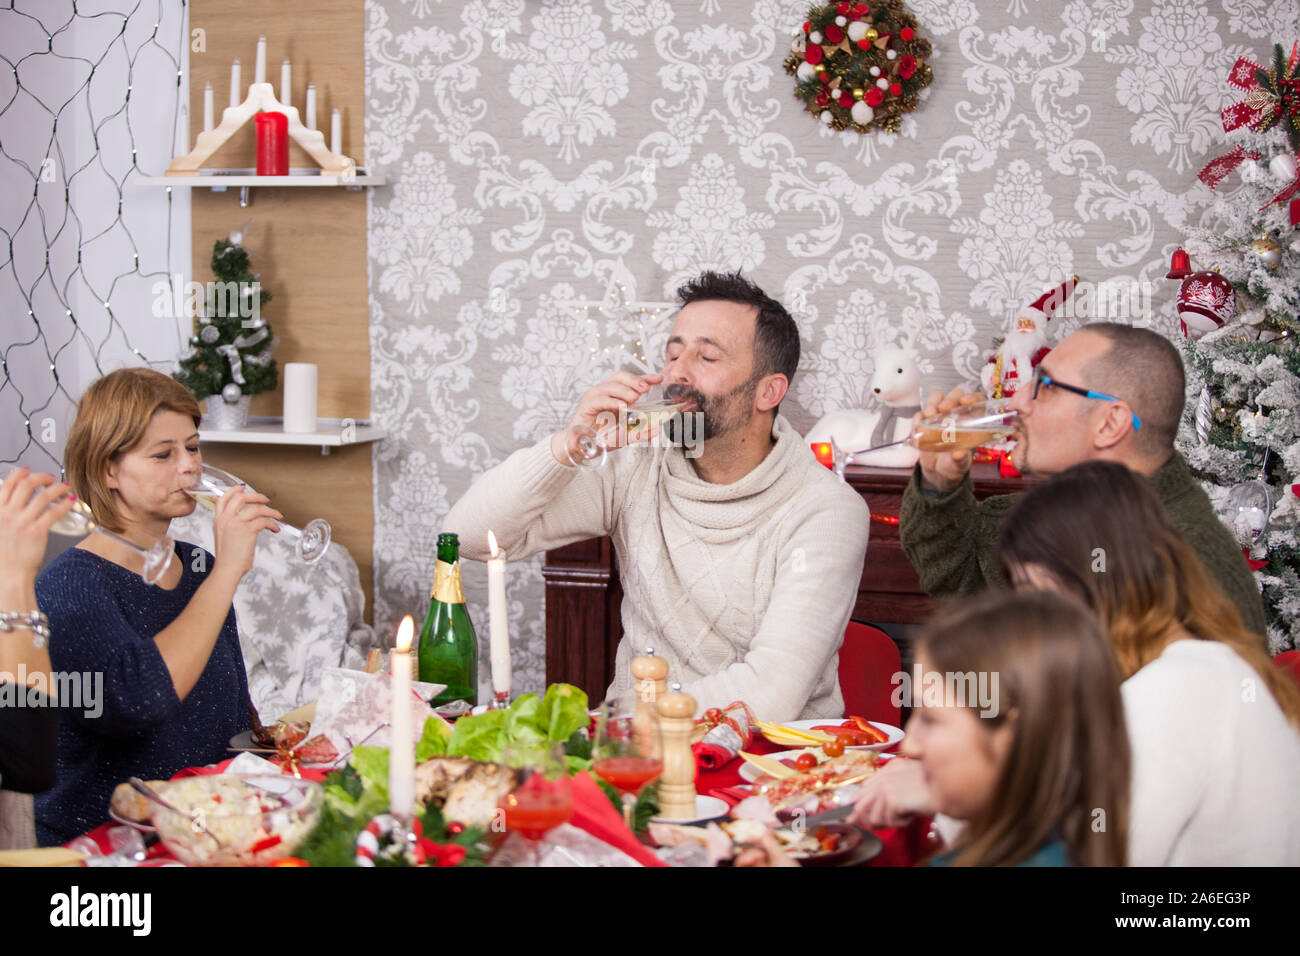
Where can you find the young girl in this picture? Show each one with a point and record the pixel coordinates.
(1026, 742)
(1214, 724)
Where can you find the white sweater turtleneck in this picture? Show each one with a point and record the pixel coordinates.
(744, 588)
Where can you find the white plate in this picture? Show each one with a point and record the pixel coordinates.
(706, 808)
(750, 773)
(895, 733)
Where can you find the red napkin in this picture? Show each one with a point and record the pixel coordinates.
(593, 812)
(731, 733)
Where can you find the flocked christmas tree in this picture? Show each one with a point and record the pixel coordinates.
(230, 351)
(1241, 432)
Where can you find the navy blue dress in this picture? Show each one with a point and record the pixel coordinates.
(103, 619)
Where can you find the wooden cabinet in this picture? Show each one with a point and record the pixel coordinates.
(583, 593)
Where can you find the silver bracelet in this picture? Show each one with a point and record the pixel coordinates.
(34, 621)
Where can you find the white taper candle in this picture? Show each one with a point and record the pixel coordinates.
(208, 107)
(499, 646)
(310, 113)
(259, 71)
(236, 96)
(286, 88)
(401, 755)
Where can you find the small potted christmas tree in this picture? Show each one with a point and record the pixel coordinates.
(230, 352)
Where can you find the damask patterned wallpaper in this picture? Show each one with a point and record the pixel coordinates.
(559, 166)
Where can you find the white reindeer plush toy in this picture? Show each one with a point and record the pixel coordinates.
(896, 387)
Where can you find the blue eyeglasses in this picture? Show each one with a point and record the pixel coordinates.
(1042, 379)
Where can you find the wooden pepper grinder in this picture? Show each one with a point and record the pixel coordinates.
(677, 781)
(651, 676)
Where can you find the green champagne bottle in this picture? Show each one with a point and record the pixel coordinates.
(448, 651)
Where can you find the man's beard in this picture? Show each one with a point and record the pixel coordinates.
(723, 414)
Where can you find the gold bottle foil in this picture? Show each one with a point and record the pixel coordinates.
(446, 583)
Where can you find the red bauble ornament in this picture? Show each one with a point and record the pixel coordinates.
(873, 97)
(861, 9)
(813, 54)
(1180, 266)
(1206, 301)
(906, 67)
(864, 44)
(907, 33)
(834, 34)
(823, 98)
(807, 26)
(896, 89)
(843, 9)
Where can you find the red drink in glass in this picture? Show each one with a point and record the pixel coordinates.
(533, 812)
(627, 774)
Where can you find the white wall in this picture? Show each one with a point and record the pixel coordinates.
(107, 91)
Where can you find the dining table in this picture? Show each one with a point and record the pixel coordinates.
(905, 845)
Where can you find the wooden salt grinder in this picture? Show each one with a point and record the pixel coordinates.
(677, 781)
(651, 676)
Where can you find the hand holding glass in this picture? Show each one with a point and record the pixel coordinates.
(78, 522)
(959, 429)
(313, 540)
(588, 447)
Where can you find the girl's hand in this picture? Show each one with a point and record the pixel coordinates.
(893, 796)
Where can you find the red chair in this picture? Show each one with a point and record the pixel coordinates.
(1289, 661)
(868, 661)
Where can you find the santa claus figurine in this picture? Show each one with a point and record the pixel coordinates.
(1012, 365)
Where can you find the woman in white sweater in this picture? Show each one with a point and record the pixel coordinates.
(1214, 725)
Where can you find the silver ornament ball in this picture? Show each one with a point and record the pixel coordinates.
(231, 393)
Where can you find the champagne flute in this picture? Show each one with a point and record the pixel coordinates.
(313, 539)
(78, 522)
(588, 447)
(963, 427)
(545, 798)
(628, 749)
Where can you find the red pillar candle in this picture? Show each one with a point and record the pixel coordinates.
(272, 144)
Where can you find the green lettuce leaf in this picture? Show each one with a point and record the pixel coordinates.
(434, 740)
(479, 737)
(563, 710)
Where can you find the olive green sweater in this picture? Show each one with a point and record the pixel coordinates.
(952, 541)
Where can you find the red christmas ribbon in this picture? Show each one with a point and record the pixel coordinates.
(1241, 76)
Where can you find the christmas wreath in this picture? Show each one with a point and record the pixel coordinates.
(860, 66)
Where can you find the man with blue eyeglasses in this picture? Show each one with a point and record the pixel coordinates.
(1108, 392)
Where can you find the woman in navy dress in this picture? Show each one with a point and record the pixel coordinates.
(174, 687)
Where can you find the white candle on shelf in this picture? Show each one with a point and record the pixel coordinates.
(208, 108)
(259, 72)
(401, 755)
(235, 96)
(336, 132)
(286, 89)
(300, 391)
(499, 647)
(310, 117)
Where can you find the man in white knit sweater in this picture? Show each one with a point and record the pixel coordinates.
(740, 557)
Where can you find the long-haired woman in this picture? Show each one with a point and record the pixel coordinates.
(162, 664)
(1213, 724)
